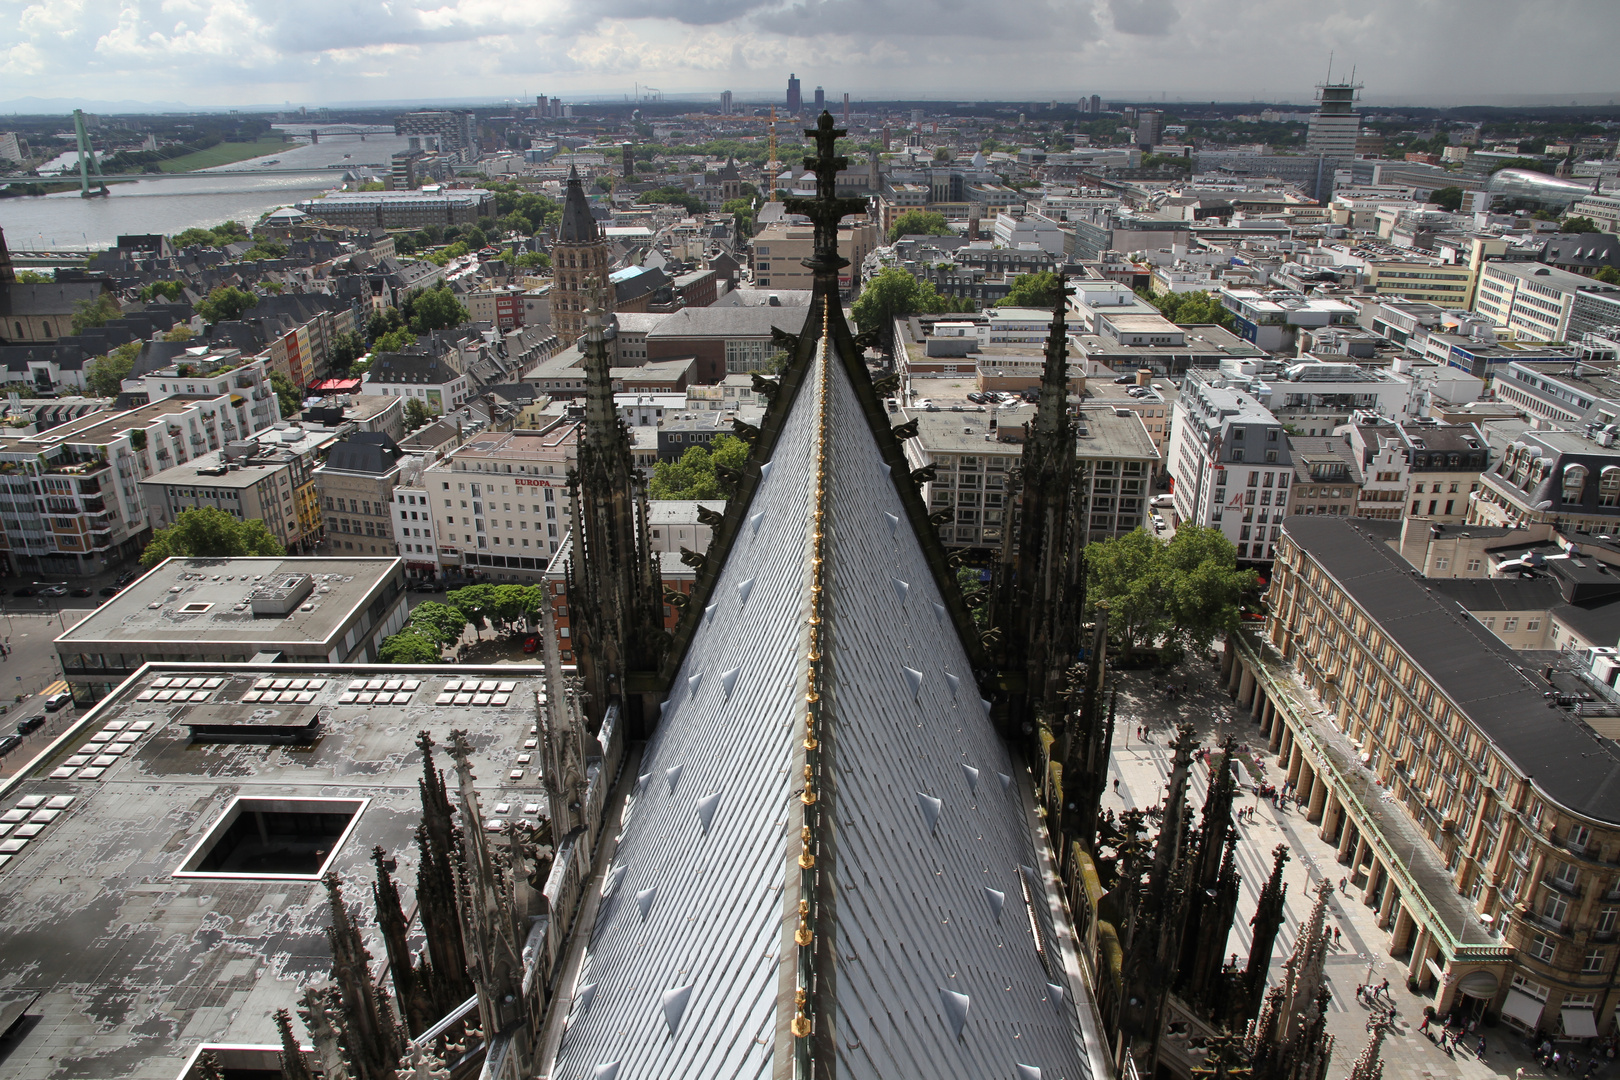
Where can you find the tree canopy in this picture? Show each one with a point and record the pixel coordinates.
(226, 232)
(210, 533)
(434, 309)
(225, 303)
(1179, 595)
(1032, 291)
(893, 292)
(287, 395)
(408, 647)
(1608, 274)
(89, 314)
(674, 196)
(1191, 307)
(693, 475)
(1579, 224)
(105, 375)
(918, 223)
(1447, 198)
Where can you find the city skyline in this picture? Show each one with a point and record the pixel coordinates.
(249, 53)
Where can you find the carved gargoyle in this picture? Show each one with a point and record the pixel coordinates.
(907, 430)
(991, 636)
(676, 599)
(692, 558)
(886, 385)
(785, 341)
(711, 518)
(941, 518)
(957, 557)
(868, 339)
(765, 387)
(728, 476)
(745, 431)
(924, 475)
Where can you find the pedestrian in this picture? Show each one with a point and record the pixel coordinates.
(1335, 936)
(1482, 1048)
(1344, 886)
(1423, 1028)
(1116, 785)
(1384, 990)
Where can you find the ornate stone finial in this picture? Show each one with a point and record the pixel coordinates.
(460, 753)
(826, 209)
(803, 934)
(807, 856)
(293, 1066)
(809, 796)
(801, 1022)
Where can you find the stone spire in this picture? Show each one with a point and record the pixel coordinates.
(826, 209)
(496, 915)
(1289, 1039)
(580, 264)
(415, 1004)
(1267, 919)
(371, 1040)
(293, 1066)
(562, 742)
(1367, 1066)
(615, 590)
(1212, 888)
(437, 841)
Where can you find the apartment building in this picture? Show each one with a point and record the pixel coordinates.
(1534, 301)
(1392, 271)
(972, 453)
(1418, 468)
(501, 501)
(429, 379)
(1230, 466)
(1469, 790)
(70, 496)
(1327, 476)
(355, 485)
(298, 610)
(1569, 479)
(268, 478)
(1272, 320)
(412, 519)
(781, 247)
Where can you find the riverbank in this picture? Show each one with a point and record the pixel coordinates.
(17, 189)
(225, 153)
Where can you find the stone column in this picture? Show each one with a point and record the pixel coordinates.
(1228, 657)
(1374, 869)
(1417, 969)
(1286, 749)
(1403, 929)
(1348, 835)
(1246, 687)
(1319, 793)
(1387, 907)
(1259, 705)
(1295, 757)
(1278, 727)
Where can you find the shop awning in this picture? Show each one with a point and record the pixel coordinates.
(1579, 1023)
(1523, 1008)
(1479, 984)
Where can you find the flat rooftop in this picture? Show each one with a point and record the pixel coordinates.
(1106, 434)
(137, 966)
(198, 601)
(103, 427)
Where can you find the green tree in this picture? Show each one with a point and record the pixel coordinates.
(1608, 274)
(209, 533)
(442, 623)
(944, 153)
(416, 413)
(974, 594)
(409, 647)
(918, 223)
(1190, 307)
(891, 293)
(1579, 224)
(225, 303)
(381, 322)
(393, 341)
(436, 309)
(179, 332)
(287, 395)
(742, 212)
(1032, 290)
(347, 347)
(693, 474)
(105, 375)
(534, 260)
(1447, 198)
(89, 314)
(477, 603)
(34, 277)
(265, 249)
(1181, 595)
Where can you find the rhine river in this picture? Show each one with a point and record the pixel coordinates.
(168, 206)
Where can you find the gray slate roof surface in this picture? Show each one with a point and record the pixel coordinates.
(912, 916)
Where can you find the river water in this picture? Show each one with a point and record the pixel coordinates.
(227, 193)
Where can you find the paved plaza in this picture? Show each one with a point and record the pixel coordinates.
(1142, 769)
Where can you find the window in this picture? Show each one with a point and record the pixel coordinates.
(1579, 837)
(1593, 963)
(1510, 625)
(1531, 625)
(1543, 948)
(1442, 563)
(1567, 873)
(1556, 907)
(1473, 566)
(1606, 920)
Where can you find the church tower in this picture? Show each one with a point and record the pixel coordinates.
(615, 592)
(579, 263)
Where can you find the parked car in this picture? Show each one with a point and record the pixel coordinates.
(110, 590)
(81, 592)
(58, 701)
(425, 586)
(531, 645)
(1158, 523)
(25, 591)
(125, 579)
(29, 725)
(976, 398)
(1159, 502)
(9, 743)
(54, 590)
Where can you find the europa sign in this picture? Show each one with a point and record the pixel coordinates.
(524, 481)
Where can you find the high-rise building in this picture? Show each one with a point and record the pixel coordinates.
(795, 100)
(1335, 123)
(1096, 105)
(725, 103)
(1149, 127)
(821, 100)
(629, 167)
(456, 132)
(580, 261)
(846, 108)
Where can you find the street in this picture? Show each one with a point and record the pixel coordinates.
(1142, 770)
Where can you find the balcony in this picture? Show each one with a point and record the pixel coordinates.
(1557, 884)
(1547, 923)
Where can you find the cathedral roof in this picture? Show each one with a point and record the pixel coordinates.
(578, 226)
(938, 905)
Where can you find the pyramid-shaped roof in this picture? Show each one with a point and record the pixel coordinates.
(945, 959)
(578, 226)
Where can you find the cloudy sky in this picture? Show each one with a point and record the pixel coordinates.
(241, 52)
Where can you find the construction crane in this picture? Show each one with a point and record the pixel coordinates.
(87, 159)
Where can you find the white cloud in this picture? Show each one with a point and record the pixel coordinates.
(246, 51)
